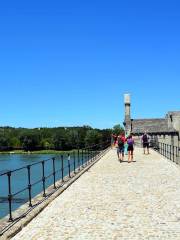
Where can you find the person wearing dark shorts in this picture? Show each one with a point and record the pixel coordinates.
(145, 142)
(130, 148)
(120, 150)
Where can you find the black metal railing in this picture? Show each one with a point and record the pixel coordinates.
(169, 151)
(49, 173)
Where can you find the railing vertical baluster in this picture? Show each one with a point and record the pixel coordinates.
(78, 159)
(54, 172)
(88, 155)
(69, 166)
(82, 155)
(91, 154)
(85, 157)
(161, 148)
(85, 163)
(29, 185)
(9, 196)
(74, 158)
(43, 180)
(170, 152)
(62, 168)
(165, 150)
(177, 154)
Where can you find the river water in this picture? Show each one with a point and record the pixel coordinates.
(19, 179)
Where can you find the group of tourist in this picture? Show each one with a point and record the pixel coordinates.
(126, 145)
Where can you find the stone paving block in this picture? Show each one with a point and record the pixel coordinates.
(114, 200)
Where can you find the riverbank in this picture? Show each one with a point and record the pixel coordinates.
(37, 152)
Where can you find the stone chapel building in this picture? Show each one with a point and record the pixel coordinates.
(165, 130)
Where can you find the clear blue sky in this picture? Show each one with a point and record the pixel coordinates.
(68, 63)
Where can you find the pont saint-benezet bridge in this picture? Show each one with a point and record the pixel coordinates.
(89, 194)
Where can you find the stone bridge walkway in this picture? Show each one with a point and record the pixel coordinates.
(113, 200)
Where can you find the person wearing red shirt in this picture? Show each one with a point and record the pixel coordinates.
(120, 148)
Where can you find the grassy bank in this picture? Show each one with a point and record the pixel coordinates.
(36, 152)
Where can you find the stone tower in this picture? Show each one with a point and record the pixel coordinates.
(127, 120)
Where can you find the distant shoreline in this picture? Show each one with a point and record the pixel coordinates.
(36, 152)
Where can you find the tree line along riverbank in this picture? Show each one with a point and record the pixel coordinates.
(52, 140)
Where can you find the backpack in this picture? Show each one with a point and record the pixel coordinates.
(145, 138)
(130, 142)
(120, 142)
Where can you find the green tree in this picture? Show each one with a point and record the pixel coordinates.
(30, 141)
(93, 137)
(46, 143)
(117, 129)
(14, 142)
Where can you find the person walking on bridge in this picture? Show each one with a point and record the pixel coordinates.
(145, 142)
(120, 148)
(130, 142)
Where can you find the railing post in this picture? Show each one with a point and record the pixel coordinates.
(170, 152)
(85, 156)
(91, 154)
(62, 168)
(177, 154)
(95, 154)
(69, 166)
(82, 155)
(74, 158)
(165, 150)
(54, 172)
(29, 185)
(78, 159)
(43, 180)
(88, 155)
(9, 196)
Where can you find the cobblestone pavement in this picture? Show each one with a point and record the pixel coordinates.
(113, 200)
